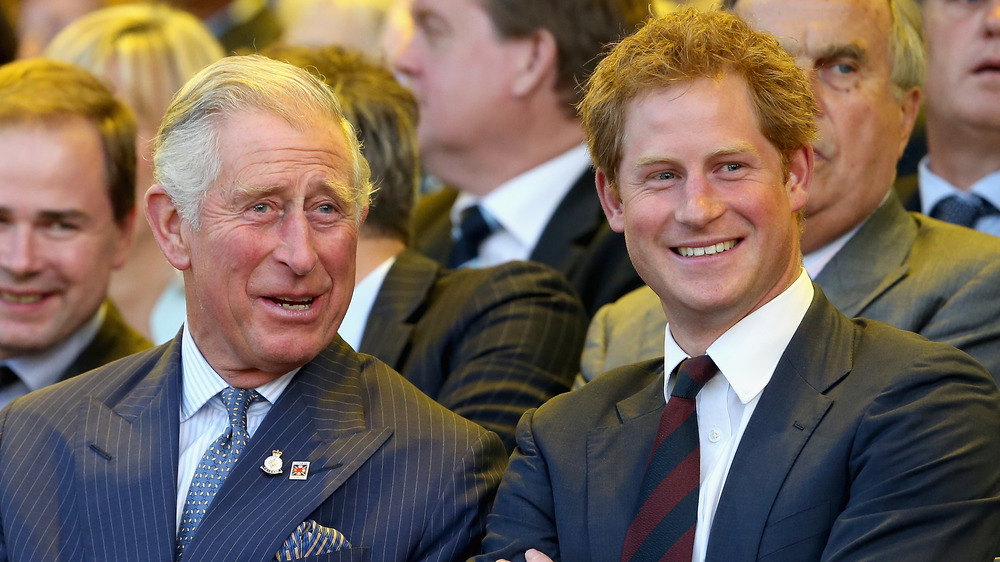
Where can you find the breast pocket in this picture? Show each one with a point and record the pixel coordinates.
(799, 536)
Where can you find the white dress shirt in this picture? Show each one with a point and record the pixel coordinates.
(352, 328)
(203, 415)
(746, 355)
(934, 188)
(522, 207)
(38, 371)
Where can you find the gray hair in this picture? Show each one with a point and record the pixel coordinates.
(906, 43)
(186, 150)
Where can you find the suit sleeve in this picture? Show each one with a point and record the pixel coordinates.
(523, 515)
(923, 468)
(520, 347)
(460, 519)
(970, 319)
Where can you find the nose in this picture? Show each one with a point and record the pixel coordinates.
(20, 255)
(700, 205)
(404, 59)
(991, 19)
(297, 249)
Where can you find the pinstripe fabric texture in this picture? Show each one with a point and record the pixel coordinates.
(88, 468)
(576, 242)
(914, 272)
(486, 343)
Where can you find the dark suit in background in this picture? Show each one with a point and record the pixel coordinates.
(867, 444)
(88, 468)
(577, 242)
(114, 340)
(485, 343)
(919, 274)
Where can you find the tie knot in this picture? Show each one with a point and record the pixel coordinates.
(692, 374)
(474, 224)
(237, 401)
(470, 234)
(965, 211)
(7, 376)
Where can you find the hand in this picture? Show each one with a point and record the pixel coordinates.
(533, 555)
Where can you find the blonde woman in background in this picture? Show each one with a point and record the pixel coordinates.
(146, 52)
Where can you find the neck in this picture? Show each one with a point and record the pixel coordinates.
(506, 157)
(961, 154)
(373, 250)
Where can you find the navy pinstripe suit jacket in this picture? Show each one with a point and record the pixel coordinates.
(88, 468)
(486, 343)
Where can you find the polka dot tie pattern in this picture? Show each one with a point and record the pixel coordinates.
(216, 463)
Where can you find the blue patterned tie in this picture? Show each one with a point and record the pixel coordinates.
(216, 463)
(963, 211)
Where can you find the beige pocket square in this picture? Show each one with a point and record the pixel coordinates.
(311, 539)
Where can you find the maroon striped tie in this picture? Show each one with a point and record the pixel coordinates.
(663, 528)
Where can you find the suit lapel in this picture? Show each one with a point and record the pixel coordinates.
(792, 405)
(612, 489)
(130, 447)
(432, 224)
(402, 295)
(571, 227)
(319, 418)
(872, 261)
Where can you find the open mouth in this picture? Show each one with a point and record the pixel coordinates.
(987, 67)
(710, 250)
(21, 298)
(289, 303)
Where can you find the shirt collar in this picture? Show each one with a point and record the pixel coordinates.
(934, 188)
(524, 205)
(200, 382)
(352, 328)
(748, 353)
(38, 371)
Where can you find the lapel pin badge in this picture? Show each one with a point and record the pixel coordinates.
(272, 464)
(300, 470)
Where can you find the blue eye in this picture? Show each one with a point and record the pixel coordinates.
(665, 176)
(844, 68)
(732, 167)
(260, 208)
(327, 209)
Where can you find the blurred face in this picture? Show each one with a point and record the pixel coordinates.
(844, 46)
(963, 61)
(270, 273)
(461, 73)
(708, 218)
(58, 238)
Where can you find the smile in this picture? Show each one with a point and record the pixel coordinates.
(690, 252)
(21, 298)
(289, 303)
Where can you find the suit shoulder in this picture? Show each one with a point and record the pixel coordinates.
(595, 403)
(951, 244)
(430, 207)
(908, 356)
(391, 400)
(104, 384)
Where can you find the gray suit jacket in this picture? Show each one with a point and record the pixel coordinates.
(868, 443)
(485, 343)
(88, 468)
(920, 274)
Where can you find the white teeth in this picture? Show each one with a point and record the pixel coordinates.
(20, 299)
(689, 252)
(294, 304)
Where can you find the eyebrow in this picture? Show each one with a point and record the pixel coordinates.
(850, 51)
